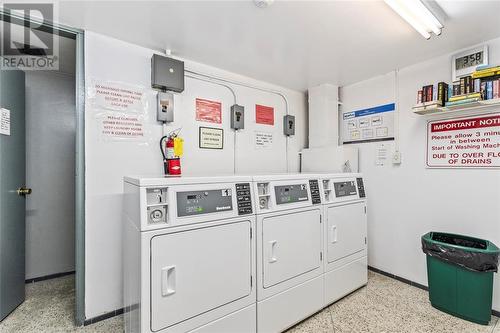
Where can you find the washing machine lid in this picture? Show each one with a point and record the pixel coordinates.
(160, 180)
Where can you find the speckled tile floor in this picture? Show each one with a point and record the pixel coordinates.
(383, 306)
(386, 305)
(49, 307)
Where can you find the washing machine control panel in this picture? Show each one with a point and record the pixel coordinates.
(345, 189)
(203, 202)
(361, 187)
(286, 194)
(243, 198)
(315, 195)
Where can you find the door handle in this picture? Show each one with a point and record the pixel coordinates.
(23, 191)
(168, 281)
(273, 251)
(333, 234)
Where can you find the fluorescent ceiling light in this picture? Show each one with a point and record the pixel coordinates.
(417, 15)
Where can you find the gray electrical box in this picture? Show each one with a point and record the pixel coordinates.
(167, 73)
(289, 125)
(237, 117)
(165, 107)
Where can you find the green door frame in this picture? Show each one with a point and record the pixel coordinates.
(78, 35)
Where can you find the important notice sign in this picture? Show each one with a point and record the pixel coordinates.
(472, 142)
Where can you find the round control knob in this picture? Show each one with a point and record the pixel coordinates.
(263, 203)
(156, 215)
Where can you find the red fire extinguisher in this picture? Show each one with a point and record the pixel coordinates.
(171, 161)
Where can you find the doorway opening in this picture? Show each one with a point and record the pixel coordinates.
(41, 171)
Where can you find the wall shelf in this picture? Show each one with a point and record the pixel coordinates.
(467, 109)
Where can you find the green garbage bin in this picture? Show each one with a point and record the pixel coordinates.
(460, 274)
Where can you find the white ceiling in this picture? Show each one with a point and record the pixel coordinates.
(295, 44)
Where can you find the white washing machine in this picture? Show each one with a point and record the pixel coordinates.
(289, 250)
(189, 255)
(345, 222)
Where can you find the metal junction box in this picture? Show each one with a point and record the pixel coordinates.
(167, 73)
(237, 117)
(289, 125)
(165, 107)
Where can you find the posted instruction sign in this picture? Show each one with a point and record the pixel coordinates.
(264, 114)
(472, 142)
(373, 124)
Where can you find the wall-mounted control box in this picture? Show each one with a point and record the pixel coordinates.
(167, 73)
(165, 107)
(289, 125)
(237, 117)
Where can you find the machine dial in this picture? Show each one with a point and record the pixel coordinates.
(156, 216)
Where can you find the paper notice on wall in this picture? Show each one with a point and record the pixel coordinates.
(264, 114)
(117, 96)
(208, 111)
(263, 140)
(372, 124)
(4, 121)
(469, 142)
(381, 154)
(119, 126)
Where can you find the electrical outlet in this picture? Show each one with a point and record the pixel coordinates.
(396, 157)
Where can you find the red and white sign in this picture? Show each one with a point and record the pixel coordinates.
(264, 114)
(208, 111)
(472, 142)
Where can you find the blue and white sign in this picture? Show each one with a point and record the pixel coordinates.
(372, 124)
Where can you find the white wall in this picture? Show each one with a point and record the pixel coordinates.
(50, 169)
(107, 162)
(409, 200)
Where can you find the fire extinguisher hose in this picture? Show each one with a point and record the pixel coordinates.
(163, 138)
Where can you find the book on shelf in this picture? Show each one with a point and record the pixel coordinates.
(477, 85)
(489, 90)
(426, 107)
(465, 96)
(463, 101)
(442, 94)
(483, 84)
(427, 93)
(487, 72)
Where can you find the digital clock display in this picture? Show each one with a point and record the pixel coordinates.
(471, 60)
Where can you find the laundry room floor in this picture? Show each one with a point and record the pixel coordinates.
(50, 307)
(385, 305)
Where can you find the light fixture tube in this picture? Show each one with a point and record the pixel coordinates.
(417, 15)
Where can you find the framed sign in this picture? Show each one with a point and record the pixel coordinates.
(465, 62)
(208, 111)
(469, 142)
(211, 138)
(367, 125)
